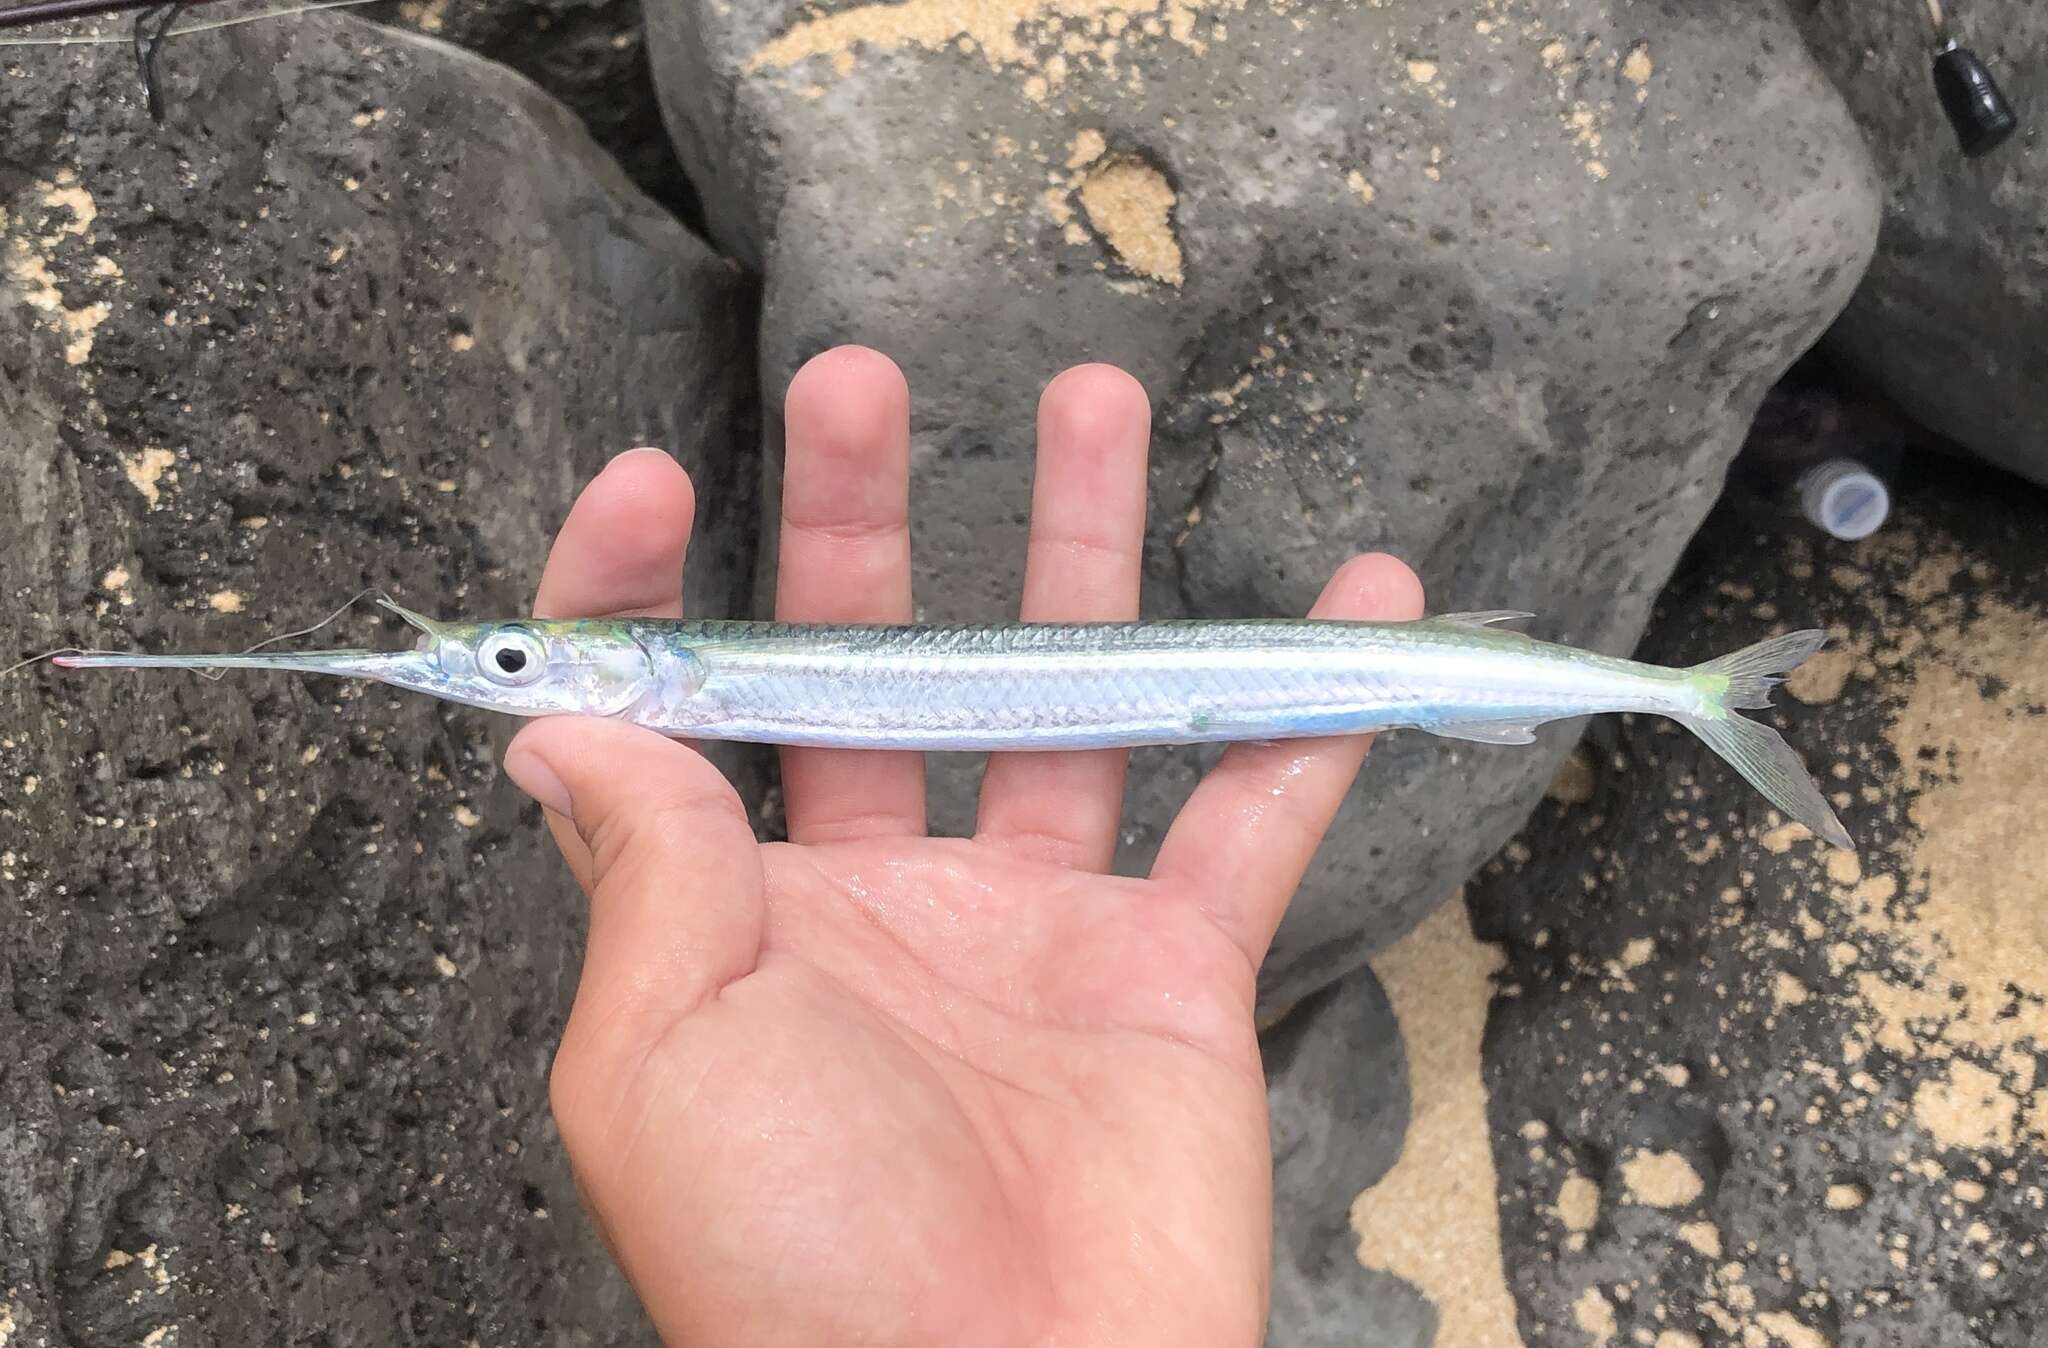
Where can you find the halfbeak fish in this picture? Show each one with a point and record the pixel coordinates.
(1032, 686)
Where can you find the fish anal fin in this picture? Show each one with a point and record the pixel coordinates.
(1482, 617)
(1486, 732)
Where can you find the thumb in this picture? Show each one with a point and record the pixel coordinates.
(672, 869)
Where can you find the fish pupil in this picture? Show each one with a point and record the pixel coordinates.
(511, 660)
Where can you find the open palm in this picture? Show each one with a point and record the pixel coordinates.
(874, 1087)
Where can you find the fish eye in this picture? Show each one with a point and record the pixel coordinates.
(511, 658)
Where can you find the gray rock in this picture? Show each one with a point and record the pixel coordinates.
(1951, 321)
(1496, 290)
(590, 54)
(1796, 1088)
(1337, 1090)
(285, 961)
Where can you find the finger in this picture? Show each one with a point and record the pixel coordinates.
(675, 876)
(619, 554)
(1250, 829)
(1087, 542)
(845, 557)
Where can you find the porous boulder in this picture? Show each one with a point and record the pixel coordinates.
(286, 960)
(1495, 288)
(590, 54)
(1951, 321)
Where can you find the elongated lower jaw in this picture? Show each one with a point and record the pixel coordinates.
(406, 668)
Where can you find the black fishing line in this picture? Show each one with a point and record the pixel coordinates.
(153, 26)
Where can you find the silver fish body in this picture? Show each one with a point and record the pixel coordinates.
(1024, 687)
(1096, 685)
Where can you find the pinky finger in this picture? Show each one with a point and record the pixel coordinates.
(1246, 836)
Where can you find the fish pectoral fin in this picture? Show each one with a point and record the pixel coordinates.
(1486, 732)
(1482, 617)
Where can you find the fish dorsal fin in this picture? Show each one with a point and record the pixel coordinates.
(1486, 732)
(1482, 617)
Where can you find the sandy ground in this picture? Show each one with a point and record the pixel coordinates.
(1703, 1080)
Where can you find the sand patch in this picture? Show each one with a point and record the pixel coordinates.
(1130, 204)
(1660, 1179)
(1040, 39)
(1434, 1219)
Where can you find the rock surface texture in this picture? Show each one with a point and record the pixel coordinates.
(1951, 321)
(285, 961)
(1740, 1088)
(590, 54)
(1496, 288)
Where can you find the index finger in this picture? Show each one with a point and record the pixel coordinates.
(620, 552)
(618, 555)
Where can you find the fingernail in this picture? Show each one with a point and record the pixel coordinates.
(640, 449)
(531, 774)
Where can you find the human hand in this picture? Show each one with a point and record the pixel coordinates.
(869, 1086)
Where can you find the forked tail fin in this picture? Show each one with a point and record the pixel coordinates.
(1744, 680)
(1754, 670)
